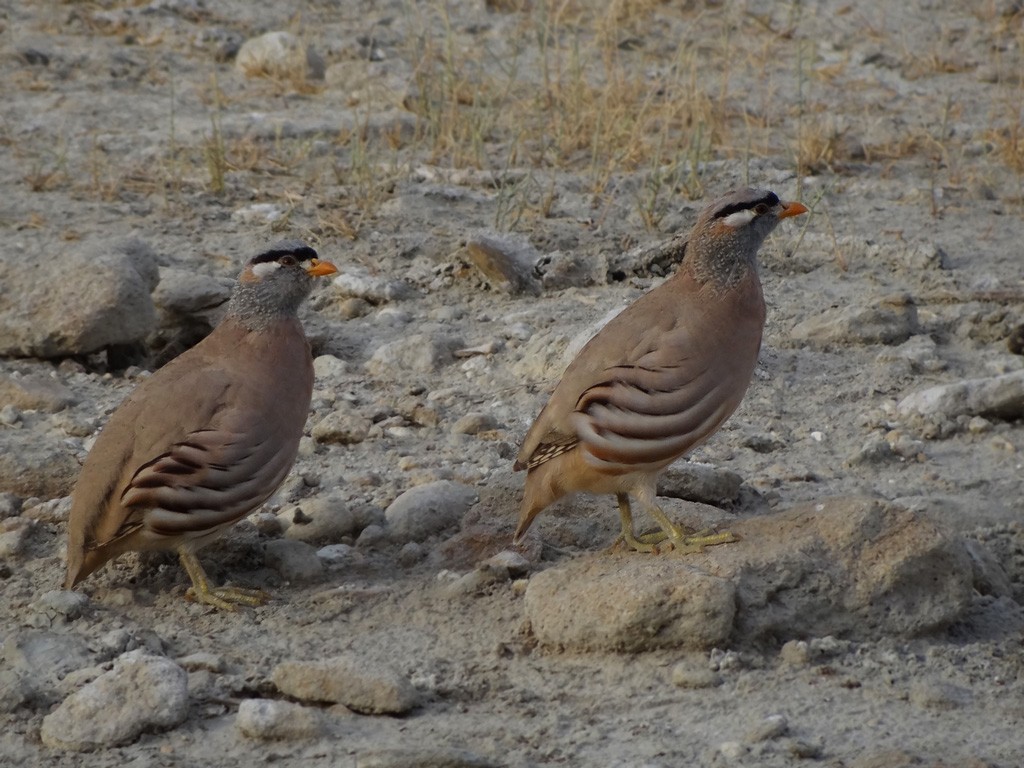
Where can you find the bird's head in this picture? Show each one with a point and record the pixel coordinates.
(277, 280)
(724, 242)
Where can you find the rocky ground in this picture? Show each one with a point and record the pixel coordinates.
(493, 179)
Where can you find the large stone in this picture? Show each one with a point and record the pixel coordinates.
(76, 302)
(31, 465)
(631, 603)
(34, 392)
(414, 353)
(1000, 397)
(280, 55)
(141, 693)
(694, 481)
(270, 719)
(857, 567)
(358, 683)
(429, 509)
(507, 262)
(891, 320)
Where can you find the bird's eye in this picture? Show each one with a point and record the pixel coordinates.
(760, 209)
(287, 261)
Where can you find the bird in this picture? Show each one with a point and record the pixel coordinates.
(660, 378)
(208, 437)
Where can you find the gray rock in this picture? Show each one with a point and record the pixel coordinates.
(423, 757)
(45, 657)
(622, 602)
(14, 535)
(62, 604)
(338, 555)
(77, 302)
(561, 269)
(358, 283)
(279, 54)
(695, 676)
(15, 691)
(185, 292)
(270, 719)
(507, 262)
(202, 661)
(341, 428)
(31, 465)
(296, 561)
(429, 509)
(326, 519)
(892, 320)
(34, 393)
(142, 693)
(858, 567)
(358, 683)
(997, 397)
(414, 353)
(474, 423)
(699, 482)
(932, 693)
(771, 727)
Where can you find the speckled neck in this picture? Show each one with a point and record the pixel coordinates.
(257, 305)
(722, 261)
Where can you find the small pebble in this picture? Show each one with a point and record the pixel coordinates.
(772, 727)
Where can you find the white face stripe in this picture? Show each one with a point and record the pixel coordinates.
(264, 268)
(739, 218)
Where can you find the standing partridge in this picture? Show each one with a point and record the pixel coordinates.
(208, 437)
(660, 378)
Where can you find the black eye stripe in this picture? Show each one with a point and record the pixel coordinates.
(300, 253)
(771, 200)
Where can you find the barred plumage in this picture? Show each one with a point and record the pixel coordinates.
(662, 376)
(207, 438)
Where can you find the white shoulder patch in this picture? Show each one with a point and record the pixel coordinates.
(264, 268)
(739, 219)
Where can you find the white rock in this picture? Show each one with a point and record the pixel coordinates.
(141, 693)
(429, 509)
(356, 682)
(271, 719)
(279, 54)
(999, 397)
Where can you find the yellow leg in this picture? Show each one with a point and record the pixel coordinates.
(645, 542)
(685, 541)
(224, 598)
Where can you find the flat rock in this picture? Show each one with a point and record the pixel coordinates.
(358, 683)
(624, 602)
(35, 393)
(279, 54)
(296, 561)
(30, 466)
(417, 353)
(270, 719)
(505, 261)
(857, 567)
(998, 397)
(326, 519)
(142, 693)
(429, 509)
(705, 483)
(341, 428)
(77, 302)
(424, 757)
(186, 292)
(42, 659)
(891, 320)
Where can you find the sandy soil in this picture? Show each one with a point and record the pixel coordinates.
(905, 123)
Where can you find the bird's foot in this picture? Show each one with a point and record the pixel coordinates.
(648, 541)
(227, 598)
(224, 598)
(688, 543)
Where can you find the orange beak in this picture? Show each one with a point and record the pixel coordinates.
(792, 209)
(320, 268)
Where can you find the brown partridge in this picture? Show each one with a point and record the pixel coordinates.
(661, 377)
(208, 437)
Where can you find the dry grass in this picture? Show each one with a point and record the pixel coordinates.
(643, 89)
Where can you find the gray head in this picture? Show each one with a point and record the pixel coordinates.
(728, 233)
(276, 282)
